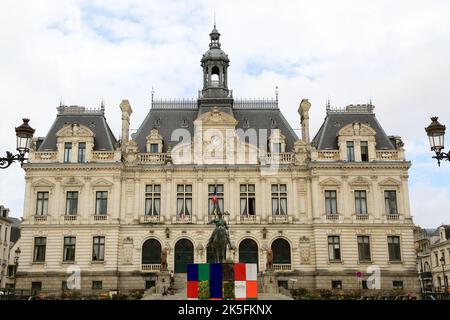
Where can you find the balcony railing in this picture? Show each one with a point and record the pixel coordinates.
(393, 216)
(282, 218)
(282, 157)
(332, 216)
(153, 158)
(100, 217)
(389, 155)
(44, 156)
(328, 155)
(40, 218)
(71, 217)
(150, 267)
(183, 219)
(247, 219)
(105, 156)
(361, 216)
(282, 267)
(150, 218)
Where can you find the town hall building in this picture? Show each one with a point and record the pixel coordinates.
(328, 209)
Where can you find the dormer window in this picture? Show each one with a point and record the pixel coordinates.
(154, 148)
(154, 142)
(184, 123)
(81, 152)
(364, 151)
(350, 151)
(67, 151)
(246, 124)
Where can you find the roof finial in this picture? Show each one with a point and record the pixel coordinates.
(214, 18)
(370, 101)
(61, 101)
(152, 94)
(102, 105)
(328, 104)
(276, 92)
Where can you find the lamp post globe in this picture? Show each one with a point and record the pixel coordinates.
(24, 133)
(436, 132)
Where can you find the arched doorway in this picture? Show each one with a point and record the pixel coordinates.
(184, 254)
(151, 252)
(248, 251)
(281, 252)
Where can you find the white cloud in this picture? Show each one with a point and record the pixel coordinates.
(393, 51)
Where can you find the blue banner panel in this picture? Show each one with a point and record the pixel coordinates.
(215, 280)
(192, 272)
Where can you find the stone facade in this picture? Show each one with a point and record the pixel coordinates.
(99, 209)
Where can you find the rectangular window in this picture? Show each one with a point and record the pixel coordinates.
(394, 248)
(218, 189)
(184, 200)
(69, 249)
(336, 284)
(364, 248)
(82, 152)
(11, 271)
(334, 248)
(390, 200)
(152, 199)
(330, 202)
(67, 151)
(361, 202)
(350, 151)
(42, 204)
(247, 199)
(72, 203)
(101, 202)
(36, 287)
(40, 244)
(279, 199)
(98, 253)
(364, 151)
(397, 285)
(97, 285)
(154, 148)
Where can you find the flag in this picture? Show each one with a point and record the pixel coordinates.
(214, 198)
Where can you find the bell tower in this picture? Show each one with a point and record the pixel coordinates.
(215, 64)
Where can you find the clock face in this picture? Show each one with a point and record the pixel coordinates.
(215, 140)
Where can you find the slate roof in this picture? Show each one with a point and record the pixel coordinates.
(327, 139)
(96, 121)
(168, 120)
(15, 230)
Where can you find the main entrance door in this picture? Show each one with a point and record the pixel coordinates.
(248, 251)
(184, 254)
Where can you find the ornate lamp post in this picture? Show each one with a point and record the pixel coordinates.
(443, 273)
(436, 132)
(24, 133)
(16, 265)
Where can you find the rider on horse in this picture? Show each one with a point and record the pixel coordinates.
(221, 224)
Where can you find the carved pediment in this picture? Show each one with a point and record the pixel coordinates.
(330, 182)
(216, 118)
(357, 129)
(43, 183)
(390, 182)
(154, 135)
(74, 130)
(360, 181)
(72, 182)
(102, 183)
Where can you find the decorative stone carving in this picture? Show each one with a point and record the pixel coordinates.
(131, 153)
(128, 250)
(304, 246)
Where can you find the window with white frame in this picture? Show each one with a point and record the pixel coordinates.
(101, 202)
(67, 151)
(82, 152)
(98, 249)
(215, 191)
(334, 248)
(330, 202)
(361, 202)
(69, 249)
(247, 199)
(40, 244)
(390, 200)
(42, 203)
(152, 199)
(184, 200)
(279, 199)
(71, 202)
(394, 248)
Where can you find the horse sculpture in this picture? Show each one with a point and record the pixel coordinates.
(219, 239)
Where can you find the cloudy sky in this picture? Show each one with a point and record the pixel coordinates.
(395, 52)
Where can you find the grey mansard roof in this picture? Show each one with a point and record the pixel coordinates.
(255, 114)
(327, 136)
(94, 120)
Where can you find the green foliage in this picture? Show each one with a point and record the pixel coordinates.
(203, 290)
(228, 290)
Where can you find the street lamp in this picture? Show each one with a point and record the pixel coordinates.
(443, 273)
(16, 265)
(24, 133)
(436, 132)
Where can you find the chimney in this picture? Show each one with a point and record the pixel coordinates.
(303, 110)
(126, 112)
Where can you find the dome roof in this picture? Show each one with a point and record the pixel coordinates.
(215, 54)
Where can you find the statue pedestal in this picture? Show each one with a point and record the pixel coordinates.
(162, 280)
(270, 282)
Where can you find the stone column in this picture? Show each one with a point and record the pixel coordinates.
(303, 110)
(126, 113)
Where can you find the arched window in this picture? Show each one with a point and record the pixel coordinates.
(281, 252)
(184, 254)
(426, 267)
(248, 251)
(151, 252)
(215, 73)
